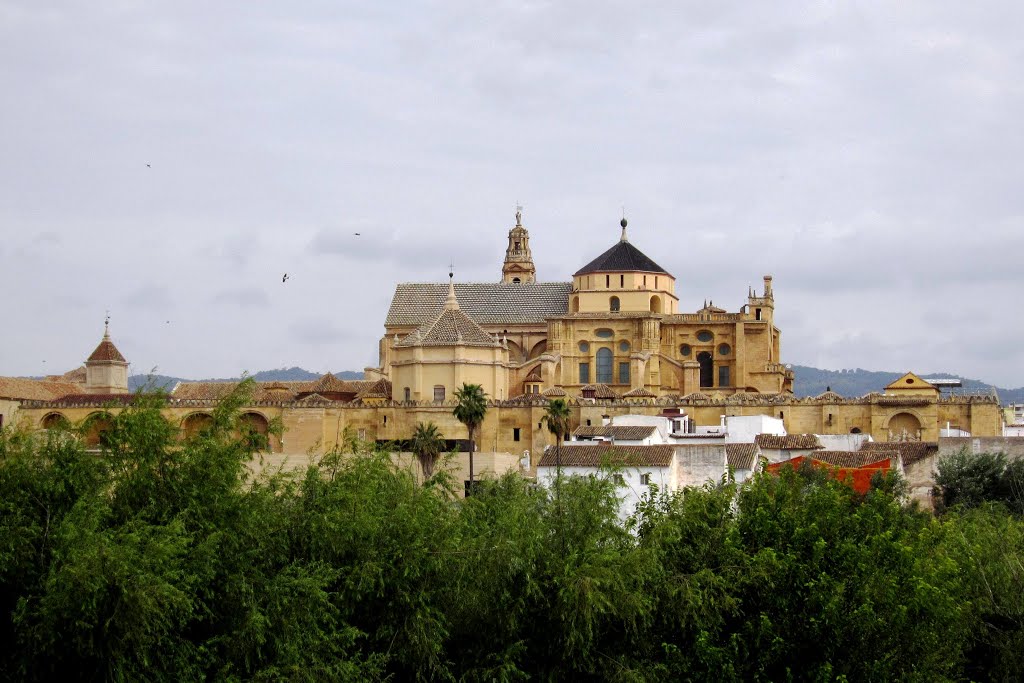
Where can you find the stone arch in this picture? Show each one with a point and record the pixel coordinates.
(55, 421)
(95, 428)
(614, 305)
(255, 427)
(516, 354)
(655, 304)
(904, 426)
(855, 430)
(707, 369)
(195, 423)
(538, 348)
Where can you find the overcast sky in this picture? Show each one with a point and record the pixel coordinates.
(170, 161)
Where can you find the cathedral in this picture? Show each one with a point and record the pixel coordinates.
(615, 330)
(611, 341)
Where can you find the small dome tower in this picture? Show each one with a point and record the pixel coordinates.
(106, 370)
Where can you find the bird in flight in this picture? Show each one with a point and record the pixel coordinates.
(285, 278)
(148, 166)
(357, 234)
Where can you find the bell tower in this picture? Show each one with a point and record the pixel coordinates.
(518, 266)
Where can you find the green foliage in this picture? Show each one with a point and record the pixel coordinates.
(162, 558)
(969, 480)
(426, 444)
(471, 407)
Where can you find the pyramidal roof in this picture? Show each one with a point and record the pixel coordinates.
(106, 351)
(450, 327)
(622, 257)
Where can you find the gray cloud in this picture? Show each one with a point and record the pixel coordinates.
(866, 155)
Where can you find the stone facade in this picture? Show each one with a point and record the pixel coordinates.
(611, 342)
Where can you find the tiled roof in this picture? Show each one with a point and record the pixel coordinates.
(20, 388)
(379, 389)
(554, 392)
(91, 399)
(595, 456)
(450, 327)
(77, 375)
(787, 442)
(106, 351)
(264, 391)
(910, 451)
(640, 392)
(696, 396)
(741, 456)
(602, 391)
(617, 432)
(829, 396)
(329, 384)
(488, 303)
(851, 458)
(623, 256)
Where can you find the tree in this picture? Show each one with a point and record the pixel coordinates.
(557, 419)
(971, 479)
(426, 444)
(470, 411)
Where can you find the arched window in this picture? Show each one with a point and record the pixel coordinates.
(655, 304)
(613, 304)
(707, 369)
(575, 304)
(55, 421)
(604, 366)
(855, 430)
(515, 280)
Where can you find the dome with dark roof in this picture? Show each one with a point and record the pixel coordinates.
(621, 257)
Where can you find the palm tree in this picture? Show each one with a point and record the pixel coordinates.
(426, 443)
(557, 419)
(470, 411)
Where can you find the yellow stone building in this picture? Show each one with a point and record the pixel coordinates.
(611, 341)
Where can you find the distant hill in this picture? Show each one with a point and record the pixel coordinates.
(813, 381)
(809, 381)
(294, 374)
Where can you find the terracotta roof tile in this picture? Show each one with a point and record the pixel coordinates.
(488, 303)
(850, 459)
(573, 455)
(741, 456)
(450, 327)
(909, 451)
(21, 388)
(554, 392)
(787, 442)
(640, 392)
(617, 432)
(696, 396)
(106, 351)
(601, 391)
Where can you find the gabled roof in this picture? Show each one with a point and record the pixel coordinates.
(329, 384)
(910, 382)
(850, 459)
(573, 455)
(787, 441)
(640, 392)
(488, 303)
(623, 256)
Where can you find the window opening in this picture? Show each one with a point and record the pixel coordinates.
(623, 373)
(584, 373)
(604, 366)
